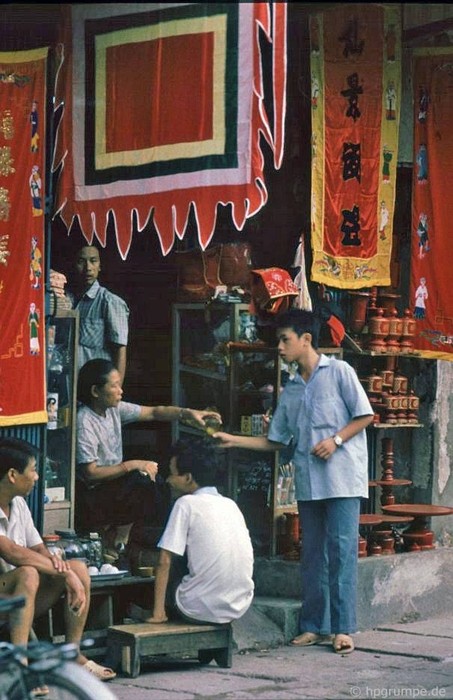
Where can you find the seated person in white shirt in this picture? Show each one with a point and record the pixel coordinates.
(27, 568)
(209, 530)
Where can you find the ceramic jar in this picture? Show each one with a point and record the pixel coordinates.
(72, 546)
(379, 325)
(373, 383)
(54, 545)
(400, 384)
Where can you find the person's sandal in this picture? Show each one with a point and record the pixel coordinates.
(101, 672)
(308, 639)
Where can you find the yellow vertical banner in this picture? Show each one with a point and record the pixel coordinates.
(355, 65)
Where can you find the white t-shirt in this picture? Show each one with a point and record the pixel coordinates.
(19, 528)
(211, 528)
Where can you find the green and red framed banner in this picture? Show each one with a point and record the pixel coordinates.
(164, 113)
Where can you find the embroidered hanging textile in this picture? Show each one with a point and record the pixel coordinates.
(432, 204)
(22, 192)
(355, 62)
(164, 111)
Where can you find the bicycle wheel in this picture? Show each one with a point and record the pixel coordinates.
(67, 682)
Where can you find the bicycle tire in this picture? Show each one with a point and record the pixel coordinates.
(69, 681)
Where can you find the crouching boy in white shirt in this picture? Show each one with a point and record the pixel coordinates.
(209, 530)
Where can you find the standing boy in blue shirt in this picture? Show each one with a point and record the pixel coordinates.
(322, 412)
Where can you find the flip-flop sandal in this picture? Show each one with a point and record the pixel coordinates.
(343, 644)
(308, 639)
(101, 672)
(40, 692)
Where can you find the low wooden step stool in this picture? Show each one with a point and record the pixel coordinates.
(128, 644)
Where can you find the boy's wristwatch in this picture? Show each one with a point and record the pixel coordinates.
(338, 440)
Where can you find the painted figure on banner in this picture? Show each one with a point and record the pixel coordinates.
(422, 162)
(33, 322)
(35, 264)
(423, 103)
(34, 121)
(387, 158)
(35, 191)
(314, 92)
(384, 220)
(422, 233)
(421, 295)
(390, 101)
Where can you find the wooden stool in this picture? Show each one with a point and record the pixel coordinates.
(127, 644)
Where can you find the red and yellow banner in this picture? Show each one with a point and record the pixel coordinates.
(22, 192)
(355, 62)
(164, 114)
(432, 203)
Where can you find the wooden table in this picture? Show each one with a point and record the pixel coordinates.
(418, 536)
(367, 520)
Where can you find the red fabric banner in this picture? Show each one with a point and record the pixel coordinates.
(432, 203)
(164, 112)
(22, 188)
(355, 61)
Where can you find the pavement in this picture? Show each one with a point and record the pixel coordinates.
(411, 659)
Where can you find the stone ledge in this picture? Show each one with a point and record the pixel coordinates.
(391, 588)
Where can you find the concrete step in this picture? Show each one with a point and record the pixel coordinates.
(283, 611)
(269, 622)
(391, 589)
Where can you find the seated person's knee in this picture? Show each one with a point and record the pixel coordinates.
(28, 577)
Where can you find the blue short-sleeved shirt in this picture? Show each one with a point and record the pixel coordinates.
(99, 438)
(104, 319)
(308, 412)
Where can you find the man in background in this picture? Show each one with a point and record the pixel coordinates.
(104, 316)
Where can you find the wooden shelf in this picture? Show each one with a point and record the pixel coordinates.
(384, 426)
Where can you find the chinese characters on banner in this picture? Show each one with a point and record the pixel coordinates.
(432, 203)
(22, 188)
(146, 133)
(355, 63)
